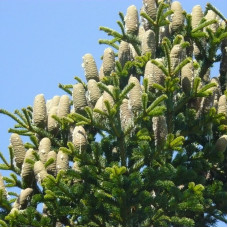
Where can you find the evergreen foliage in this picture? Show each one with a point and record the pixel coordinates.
(141, 143)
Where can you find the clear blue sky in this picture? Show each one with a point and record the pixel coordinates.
(42, 44)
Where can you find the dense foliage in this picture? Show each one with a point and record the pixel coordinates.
(141, 143)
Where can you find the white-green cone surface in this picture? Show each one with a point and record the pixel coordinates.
(141, 33)
(108, 61)
(197, 15)
(18, 149)
(132, 20)
(160, 129)
(64, 106)
(221, 144)
(108, 97)
(177, 17)
(222, 105)
(52, 124)
(135, 95)
(133, 51)
(79, 138)
(40, 171)
(154, 74)
(54, 102)
(90, 67)
(125, 114)
(176, 56)
(99, 105)
(150, 8)
(101, 73)
(44, 149)
(79, 97)
(148, 43)
(39, 111)
(2, 186)
(124, 53)
(93, 92)
(211, 15)
(27, 169)
(187, 73)
(24, 198)
(62, 162)
(51, 169)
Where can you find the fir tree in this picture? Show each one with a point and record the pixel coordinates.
(141, 143)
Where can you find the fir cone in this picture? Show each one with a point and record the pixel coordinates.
(144, 22)
(62, 162)
(79, 138)
(18, 149)
(79, 98)
(44, 149)
(177, 17)
(39, 171)
(125, 114)
(51, 169)
(124, 53)
(52, 124)
(2, 186)
(211, 15)
(101, 73)
(187, 74)
(27, 169)
(154, 74)
(133, 51)
(93, 92)
(148, 43)
(197, 15)
(108, 97)
(141, 33)
(64, 106)
(54, 102)
(135, 95)
(90, 67)
(176, 54)
(222, 105)
(24, 198)
(99, 105)
(132, 20)
(39, 111)
(221, 144)
(108, 61)
(150, 8)
(160, 129)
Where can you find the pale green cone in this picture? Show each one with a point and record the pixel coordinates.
(124, 53)
(52, 124)
(39, 171)
(90, 67)
(197, 15)
(125, 114)
(64, 106)
(93, 93)
(107, 97)
(39, 111)
(132, 20)
(79, 97)
(24, 198)
(27, 169)
(62, 162)
(18, 149)
(177, 17)
(44, 149)
(99, 105)
(187, 74)
(51, 169)
(150, 8)
(148, 43)
(79, 138)
(2, 186)
(108, 61)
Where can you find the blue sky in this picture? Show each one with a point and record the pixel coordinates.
(42, 43)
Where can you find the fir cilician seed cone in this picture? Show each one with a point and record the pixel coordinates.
(99, 105)
(18, 149)
(52, 124)
(79, 138)
(101, 73)
(135, 95)
(176, 55)
(132, 20)
(160, 129)
(211, 15)
(79, 97)
(27, 169)
(40, 171)
(150, 8)
(62, 162)
(93, 92)
(222, 105)
(197, 15)
(44, 149)
(24, 197)
(54, 102)
(125, 114)
(221, 144)
(39, 111)
(108, 61)
(64, 106)
(51, 169)
(107, 97)
(177, 17)
(187, 73)
(141, 33)
(148, 43)
(133, 51)
(2, 186)
(90, 67)
(124, 53)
